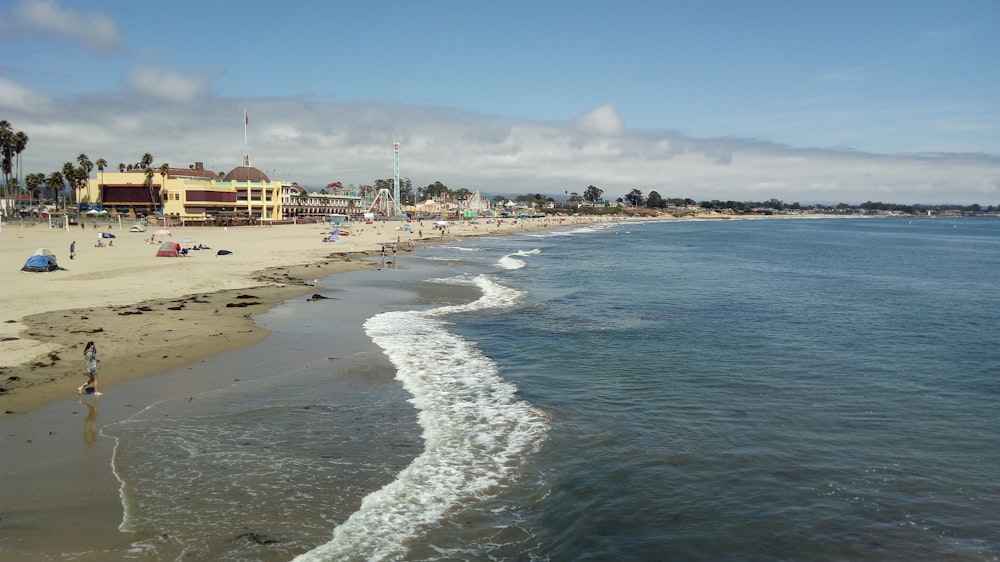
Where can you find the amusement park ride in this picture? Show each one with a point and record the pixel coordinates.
(386, 204)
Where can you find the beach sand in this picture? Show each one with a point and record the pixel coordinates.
(151, 314)
(147, 315)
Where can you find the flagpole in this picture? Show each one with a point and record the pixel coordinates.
(246, 122)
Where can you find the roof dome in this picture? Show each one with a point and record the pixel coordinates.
(246, 173)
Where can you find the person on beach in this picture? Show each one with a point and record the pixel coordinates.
(72, 249)
(89, 367)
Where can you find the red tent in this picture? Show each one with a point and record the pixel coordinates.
(168, 250)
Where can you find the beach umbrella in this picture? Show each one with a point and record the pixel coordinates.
(440, 223)
(91, 212)
(162, 232)
(187, 241)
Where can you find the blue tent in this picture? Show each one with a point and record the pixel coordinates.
(40, 264)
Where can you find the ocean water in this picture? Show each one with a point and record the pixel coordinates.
(823, 389)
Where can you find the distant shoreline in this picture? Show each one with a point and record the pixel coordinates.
(149, 315)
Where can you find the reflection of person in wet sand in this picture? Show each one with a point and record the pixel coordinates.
(90, 368)
(90, 424)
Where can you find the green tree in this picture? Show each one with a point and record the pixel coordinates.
(20, 143)
(35, 183)
(437, 189)
(12, 143)
(655, 201)
(55, 184)
(593, 193)
(634, 198)
(101, 164)
(83, 174)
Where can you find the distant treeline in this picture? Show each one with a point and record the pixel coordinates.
(844, 208)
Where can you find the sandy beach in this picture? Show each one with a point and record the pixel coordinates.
(150, 314)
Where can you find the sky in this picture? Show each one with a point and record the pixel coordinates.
(820, 101)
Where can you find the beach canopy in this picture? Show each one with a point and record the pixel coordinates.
(40, 264)
(162, 232)
(440, 223)
(167, 250)
(44, 252)
(107, 235)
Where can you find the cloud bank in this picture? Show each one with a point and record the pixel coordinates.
(314, 143)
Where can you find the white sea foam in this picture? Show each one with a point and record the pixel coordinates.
(475, 428)
(511, 262)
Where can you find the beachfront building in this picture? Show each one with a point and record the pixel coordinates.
(299, 202)
(182, 195)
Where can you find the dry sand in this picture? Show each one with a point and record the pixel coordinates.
(151, 314)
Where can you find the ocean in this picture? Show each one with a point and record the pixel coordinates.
(809, 389)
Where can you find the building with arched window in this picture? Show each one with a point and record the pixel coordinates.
(191, 194)
(299, 202)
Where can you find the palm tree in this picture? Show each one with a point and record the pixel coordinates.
(34, 182)
(6, 153)
(11, 145)
(164, 170)
(101, 164)
(20, 142)
(82, 178)
(55, 184)
(121, 167)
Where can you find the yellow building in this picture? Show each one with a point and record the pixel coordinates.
(183, 195)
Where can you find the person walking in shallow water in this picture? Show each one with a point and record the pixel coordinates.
(90, 368)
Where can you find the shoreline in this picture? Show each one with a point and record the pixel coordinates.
(214, 323)
(147, 318)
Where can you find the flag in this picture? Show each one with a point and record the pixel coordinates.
(246, 118)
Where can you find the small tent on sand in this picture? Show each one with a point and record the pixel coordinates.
(168, 250)
(40, 263)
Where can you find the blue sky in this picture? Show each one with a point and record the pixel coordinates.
(809, 101)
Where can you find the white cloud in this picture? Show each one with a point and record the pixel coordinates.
(315, 143)
(167, 85)
(15, 97)
(96, 31)
(603, 121)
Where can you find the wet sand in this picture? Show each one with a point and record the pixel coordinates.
(149, 316)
